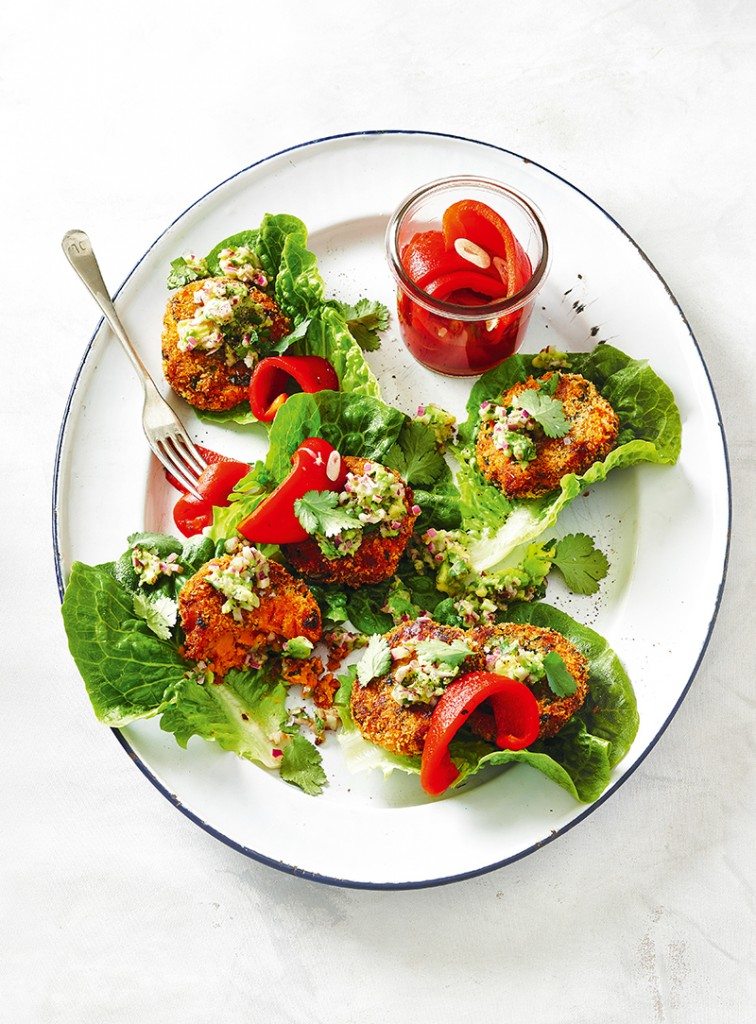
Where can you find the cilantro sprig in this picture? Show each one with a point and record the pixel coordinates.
(302, 765)
(548, 412)
(376, 661)
(158, 612)
(365, 319)
(320, 512)
(415, 455)
(580, 562)
(443, 653)
(559, 679)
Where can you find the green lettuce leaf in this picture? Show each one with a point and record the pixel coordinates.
(365, 609)
(249, 238)
(275, 231)
(240, 414)
(611, 711)
(127, 670)
(332, 601)
(299, 287)
(354, 424)
(328, 336)
(650, 431)
(244, 713)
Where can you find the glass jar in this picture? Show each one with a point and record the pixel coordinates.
(465, 337)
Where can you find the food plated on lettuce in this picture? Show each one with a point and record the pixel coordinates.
(377, 575)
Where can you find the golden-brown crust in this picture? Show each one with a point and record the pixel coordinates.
(287, 609)
(594, 426)
(380, 719)
(375, 560)
(204, 379)
(555, 711)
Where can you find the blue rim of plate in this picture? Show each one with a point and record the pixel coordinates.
(428, 883)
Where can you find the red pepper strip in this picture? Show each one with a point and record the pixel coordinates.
(210, 458)
(316, 466)
(191, 515)
(488, 288)
(515, 712)
(215, 483)
(484, 226)
(271, 377)
(426, 257)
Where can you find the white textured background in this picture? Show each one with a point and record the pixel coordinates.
(113, 907)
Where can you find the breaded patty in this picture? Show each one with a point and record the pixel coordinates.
(594, 426)
(205, 379)
(555, 711)
(375, 560)
(287, 609)
(380, 719)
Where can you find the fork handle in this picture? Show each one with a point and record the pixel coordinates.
(80, 255)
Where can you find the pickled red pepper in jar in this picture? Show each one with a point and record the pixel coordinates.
(472, 259)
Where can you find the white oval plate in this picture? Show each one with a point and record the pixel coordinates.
(665, 529)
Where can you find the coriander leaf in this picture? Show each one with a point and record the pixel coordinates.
(159, 613)
(441, 652)
(182, 273)
(298, 647)
(548, 412)
(364, 320)
(319, 512)
(376, 660)
(548, 385)
(581, 563)
(560, 680)
(415, 455)
(302, 766)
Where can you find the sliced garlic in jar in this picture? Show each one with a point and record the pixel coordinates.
(472, 253)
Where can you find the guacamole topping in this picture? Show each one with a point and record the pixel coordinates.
(242, 264)
(508, 658)
(478, 597)
(225, 314)
(240, 580)
(512, 429)
(425, 669)
(374, 500)
(441, 422)
(551, 358)
(149, 567)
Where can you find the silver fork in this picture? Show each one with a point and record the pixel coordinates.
(166, 434)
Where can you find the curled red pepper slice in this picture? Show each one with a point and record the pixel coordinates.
(215, 483)
(316, 466)
(485, 227)
(271, 381)
(515, 712)
(476, 281)
(211, 458)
